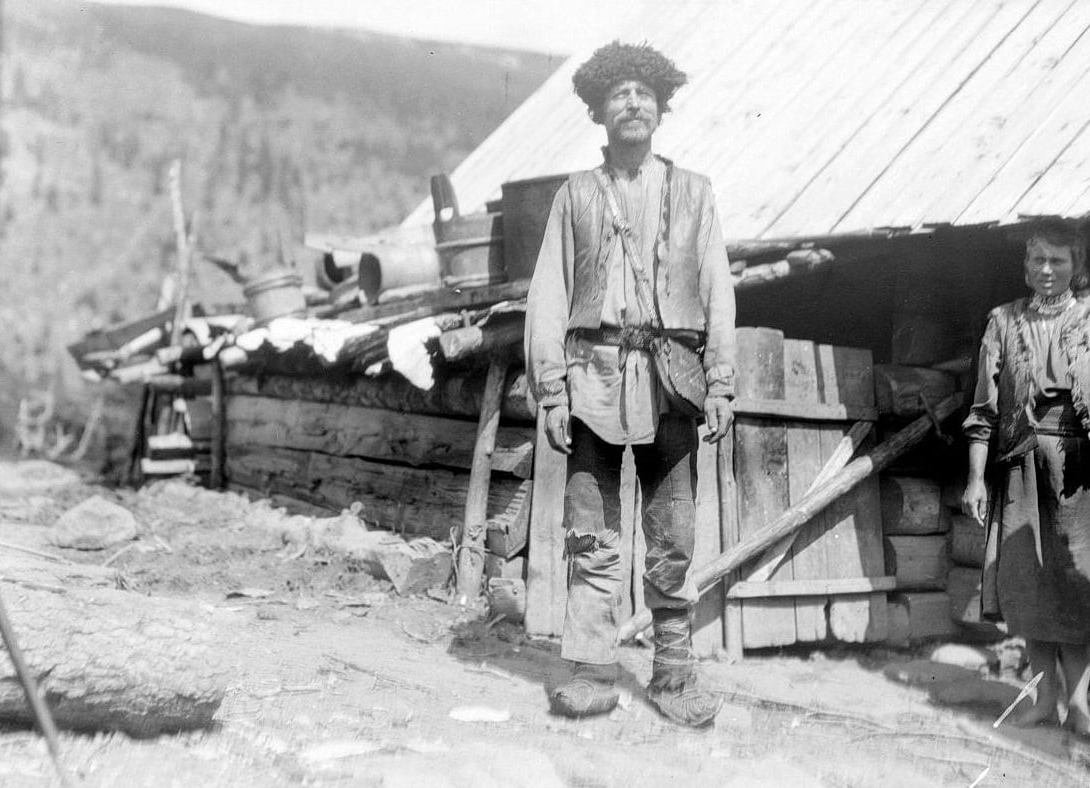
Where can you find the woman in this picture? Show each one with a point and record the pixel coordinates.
(1030, 409)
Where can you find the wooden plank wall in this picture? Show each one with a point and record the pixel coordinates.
(775, 462)
(800, 399)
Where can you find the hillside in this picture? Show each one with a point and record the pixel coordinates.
(280, 130)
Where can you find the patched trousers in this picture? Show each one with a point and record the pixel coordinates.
(666, 470)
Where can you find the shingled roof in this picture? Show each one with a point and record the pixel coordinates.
(820, 117)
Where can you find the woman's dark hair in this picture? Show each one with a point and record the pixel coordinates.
(1063, 232)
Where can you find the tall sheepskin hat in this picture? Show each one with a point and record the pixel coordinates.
(617, 62)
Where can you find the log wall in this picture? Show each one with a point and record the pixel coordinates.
(402, 454)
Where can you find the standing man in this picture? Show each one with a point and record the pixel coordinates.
(632, 255)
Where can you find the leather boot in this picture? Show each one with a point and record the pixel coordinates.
(673, 688)
(588, 692)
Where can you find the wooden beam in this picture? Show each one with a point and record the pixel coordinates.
(804, 411)
(374, 433)
(440, 299)
(498, 334)
(748, 589)
(452, 395)
(406, 500)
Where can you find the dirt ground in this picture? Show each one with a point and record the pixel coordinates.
(338, 681)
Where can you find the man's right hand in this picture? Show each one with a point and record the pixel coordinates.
(558, 428)
(974, 501)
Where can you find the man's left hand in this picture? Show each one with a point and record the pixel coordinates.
(719, 415)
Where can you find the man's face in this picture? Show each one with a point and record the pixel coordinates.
(1049, 268)
(630, 113)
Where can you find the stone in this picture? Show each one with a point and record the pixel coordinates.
(94, 524)
(34, 476)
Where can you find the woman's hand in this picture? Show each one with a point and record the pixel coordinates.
(974, 501)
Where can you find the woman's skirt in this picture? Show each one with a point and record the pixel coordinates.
(1037, 560)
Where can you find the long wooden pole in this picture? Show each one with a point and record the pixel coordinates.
(471, 543)
(181, 304)
(813, 502)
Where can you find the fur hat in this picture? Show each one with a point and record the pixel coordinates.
(617, 62)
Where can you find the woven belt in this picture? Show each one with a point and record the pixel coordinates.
(636, 337)
(1056, 416)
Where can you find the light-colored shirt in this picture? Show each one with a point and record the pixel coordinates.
(620, 398)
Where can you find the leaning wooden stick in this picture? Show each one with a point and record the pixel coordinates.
(844, 451)
(812, 503)
(33, 697)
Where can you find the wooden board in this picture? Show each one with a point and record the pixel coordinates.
(920, 563)
(963, 588)
(912, 506)
(546, 571)
(374, 433)
(854, 526)
(920, 615)
(811, 588)
(967, 538)
(804, 447)
(760, 461)
(397, 498)
(855, 533)
(729, 536)
(507, 536)
(708, 615)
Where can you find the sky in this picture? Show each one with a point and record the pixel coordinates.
(553, 26)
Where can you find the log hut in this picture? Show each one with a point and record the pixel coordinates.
(874, 186)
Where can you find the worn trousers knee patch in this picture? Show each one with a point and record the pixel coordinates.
(579, 543)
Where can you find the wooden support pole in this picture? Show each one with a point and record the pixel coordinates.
(471, 543)
(216, 477)
(181, 304)
(813, 502)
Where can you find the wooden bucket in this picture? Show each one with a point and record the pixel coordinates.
(278, 293)
(470, 247)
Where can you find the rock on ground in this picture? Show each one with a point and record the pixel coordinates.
(34, 476)
(94, 524)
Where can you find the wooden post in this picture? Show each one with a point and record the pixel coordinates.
(471, 543)
(216, 476)
(181, 304)
(797, 516)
